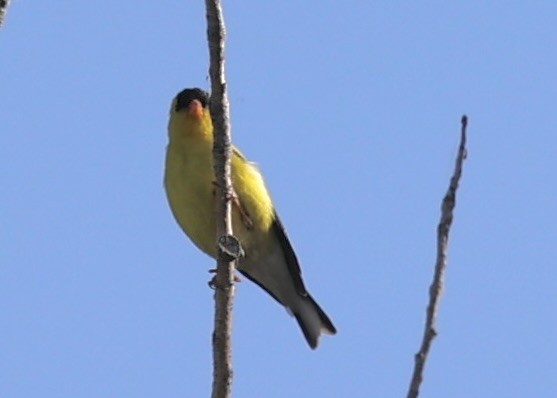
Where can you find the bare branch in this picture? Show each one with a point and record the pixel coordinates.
(436, 288)
(223, 282)
(3, 9)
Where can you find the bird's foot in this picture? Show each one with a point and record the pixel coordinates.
(213, 282)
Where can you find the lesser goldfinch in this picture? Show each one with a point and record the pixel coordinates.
(269, 259)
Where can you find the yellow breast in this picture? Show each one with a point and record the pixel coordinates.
(189, 183)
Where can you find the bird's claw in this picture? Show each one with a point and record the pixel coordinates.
(213, 282)
(233, 197)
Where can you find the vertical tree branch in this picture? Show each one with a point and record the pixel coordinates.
(436, 288)
(3, 9)
(223, 282)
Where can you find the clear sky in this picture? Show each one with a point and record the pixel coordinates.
(353, 113)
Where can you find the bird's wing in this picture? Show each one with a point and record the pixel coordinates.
(290, 257)
(236, 151)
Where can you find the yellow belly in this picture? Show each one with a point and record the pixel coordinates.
(189, 183)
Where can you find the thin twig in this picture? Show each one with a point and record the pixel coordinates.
(436, 288)
(223, 282)
(3, 9)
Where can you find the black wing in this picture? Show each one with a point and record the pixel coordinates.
(290, 257)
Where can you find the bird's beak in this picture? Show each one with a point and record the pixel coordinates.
(195, 109)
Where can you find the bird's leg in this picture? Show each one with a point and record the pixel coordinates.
(244, 215)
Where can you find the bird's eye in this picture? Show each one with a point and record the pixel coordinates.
(204, 100)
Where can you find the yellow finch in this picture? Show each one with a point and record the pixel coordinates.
(189, 180)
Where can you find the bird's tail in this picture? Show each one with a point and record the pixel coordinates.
(312, 320)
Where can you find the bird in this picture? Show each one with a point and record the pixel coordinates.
(268, 257)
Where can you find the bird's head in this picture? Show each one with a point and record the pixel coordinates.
(189, 114)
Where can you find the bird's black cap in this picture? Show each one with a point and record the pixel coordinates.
(186, 96)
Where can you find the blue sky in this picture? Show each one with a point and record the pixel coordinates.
(352, 112)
